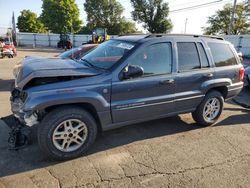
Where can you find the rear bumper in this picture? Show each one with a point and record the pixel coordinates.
(234, 90)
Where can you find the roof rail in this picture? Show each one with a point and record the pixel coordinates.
(190, 35)
(132, 34)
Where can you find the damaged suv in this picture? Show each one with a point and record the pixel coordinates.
(125, 80)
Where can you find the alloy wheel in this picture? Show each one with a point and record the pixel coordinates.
(70, 135)
(211, 109)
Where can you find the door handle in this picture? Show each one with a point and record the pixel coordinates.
(165, 82)
(210, 75)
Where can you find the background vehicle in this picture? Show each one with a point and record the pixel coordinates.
(74, 54)
(6, 52)
(99, 35)
(124, 81)
(247, 76)
(77, 53)
(8, 49)
(64, 42)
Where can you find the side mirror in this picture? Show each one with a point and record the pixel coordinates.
(132, 71)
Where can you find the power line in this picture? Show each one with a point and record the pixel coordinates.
(197, 6)
(181, 4)
(187, 8)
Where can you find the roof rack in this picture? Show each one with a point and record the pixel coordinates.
(190, 35)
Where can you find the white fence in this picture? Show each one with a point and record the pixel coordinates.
(240, 42)
(48, 40)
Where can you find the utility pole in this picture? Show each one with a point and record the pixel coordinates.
(185, 29)
(231, 24)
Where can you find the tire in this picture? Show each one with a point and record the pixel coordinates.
(66, 119)
(199, 114)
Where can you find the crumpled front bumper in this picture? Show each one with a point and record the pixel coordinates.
(28, 118)
(17, 109)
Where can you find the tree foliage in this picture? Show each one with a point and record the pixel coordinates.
(126, 27)
(219, 23)
(61, 16)
(107, 14)
(85, 30)
(153, 14)
(29, 22)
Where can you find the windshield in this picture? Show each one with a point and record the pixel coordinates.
(108, 53)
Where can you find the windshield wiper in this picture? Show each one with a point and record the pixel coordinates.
(88, 63)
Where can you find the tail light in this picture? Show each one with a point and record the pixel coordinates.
(242, 72)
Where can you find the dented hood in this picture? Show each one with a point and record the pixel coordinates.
(39, 67)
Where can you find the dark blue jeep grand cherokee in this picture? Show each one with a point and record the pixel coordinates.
(123, 81)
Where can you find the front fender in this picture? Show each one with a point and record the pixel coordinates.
(40, 102)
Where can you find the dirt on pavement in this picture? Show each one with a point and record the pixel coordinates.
(170, 152)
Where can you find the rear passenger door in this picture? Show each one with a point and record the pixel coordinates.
(148, 96)
(193, 69)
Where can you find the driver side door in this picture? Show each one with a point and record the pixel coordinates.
(151, 95)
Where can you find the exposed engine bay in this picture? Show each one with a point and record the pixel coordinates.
(50, 80)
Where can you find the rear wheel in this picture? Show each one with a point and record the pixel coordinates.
(67, 133)
(209, 111)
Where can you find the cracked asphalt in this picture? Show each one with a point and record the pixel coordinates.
(170, 152)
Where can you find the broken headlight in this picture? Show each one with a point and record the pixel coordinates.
(19, 94)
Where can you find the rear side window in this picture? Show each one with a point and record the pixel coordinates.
(203, 56)
(154, 59)
(188, 57)
(222, 54)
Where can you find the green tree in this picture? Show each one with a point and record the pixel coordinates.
(219, 22)
(126, 27)
(153, 14)
(61, 16)
(107, 14)
(29, 22)
(85, 30)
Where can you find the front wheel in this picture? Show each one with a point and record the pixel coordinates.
(66, 133)
(209, 111)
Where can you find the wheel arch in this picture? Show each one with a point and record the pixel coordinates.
(220, 85)
(222, 89)
(85, 106)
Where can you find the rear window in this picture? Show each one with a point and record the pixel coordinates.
(222, 54)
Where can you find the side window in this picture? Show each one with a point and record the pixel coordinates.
(154, 59)
(188, 57)
(222, 54)
(203, 56)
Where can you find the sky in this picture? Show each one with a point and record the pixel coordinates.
(195, 18)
